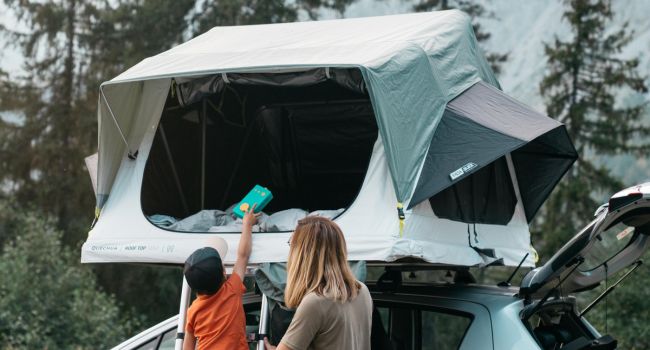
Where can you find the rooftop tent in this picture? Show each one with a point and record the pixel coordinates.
(347, 114)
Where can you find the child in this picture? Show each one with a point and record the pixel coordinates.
(216, 318)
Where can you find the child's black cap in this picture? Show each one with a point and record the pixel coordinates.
(204, 271)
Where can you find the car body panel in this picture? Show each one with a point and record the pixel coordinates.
(615, 240)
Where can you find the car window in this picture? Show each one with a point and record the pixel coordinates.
(150, 345)
(417, 327)
(608, 244)
(168, 341)
(441, 331)
(252, 321)
(615, 238)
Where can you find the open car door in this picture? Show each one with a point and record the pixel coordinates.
(614, 240)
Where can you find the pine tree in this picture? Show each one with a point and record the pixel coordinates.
(474, 10)
(45, 148)
(585, 73)
(70, 47)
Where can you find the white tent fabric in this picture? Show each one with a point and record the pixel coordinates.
(412, 65)
(123, 233)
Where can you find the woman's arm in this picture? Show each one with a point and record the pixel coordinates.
(281, 346)
(304, 326)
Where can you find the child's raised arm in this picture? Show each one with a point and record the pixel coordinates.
(245, 243)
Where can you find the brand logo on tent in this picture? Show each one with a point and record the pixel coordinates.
(462, 171)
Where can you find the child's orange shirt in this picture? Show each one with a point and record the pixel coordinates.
(218, 320)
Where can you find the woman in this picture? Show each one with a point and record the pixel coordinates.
(334, 310)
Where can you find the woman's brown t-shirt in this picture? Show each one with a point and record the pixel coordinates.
(321, 323)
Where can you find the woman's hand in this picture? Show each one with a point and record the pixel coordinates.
(250, 218)
(267, 345)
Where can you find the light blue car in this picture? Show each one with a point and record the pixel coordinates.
(459, 314)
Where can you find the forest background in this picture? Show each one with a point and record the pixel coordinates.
(584, 62)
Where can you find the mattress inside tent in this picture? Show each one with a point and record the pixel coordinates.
(310, 145)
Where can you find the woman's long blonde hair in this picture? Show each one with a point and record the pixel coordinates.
(318, 263)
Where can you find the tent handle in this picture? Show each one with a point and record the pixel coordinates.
(110, 110)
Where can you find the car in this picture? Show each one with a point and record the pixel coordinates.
(459, 314)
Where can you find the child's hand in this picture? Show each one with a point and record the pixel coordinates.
(250, 218)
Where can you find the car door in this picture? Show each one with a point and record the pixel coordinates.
(613, 241)
(409, 322)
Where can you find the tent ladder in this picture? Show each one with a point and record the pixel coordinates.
(203, 139)
(173, 166)
(264, 315)
(182, 315)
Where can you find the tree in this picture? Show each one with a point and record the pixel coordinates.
(624, 313)
(44, 151)
(49, 124)
(47, 301)
(475, 11)
(580, 87)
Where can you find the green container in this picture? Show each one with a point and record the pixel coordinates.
(258, 196)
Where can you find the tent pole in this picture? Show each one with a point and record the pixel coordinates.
(203, 130)
(182, 315)
(264, 315)
(513, 177)
(110, 111)
(173, 166)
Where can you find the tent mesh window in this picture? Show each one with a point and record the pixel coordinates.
(310, 145)
(485, 197)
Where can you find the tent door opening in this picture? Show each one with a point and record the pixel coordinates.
(310, 145)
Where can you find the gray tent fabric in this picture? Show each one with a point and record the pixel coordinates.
(192, 90)
(271, 278)
(459, 141)
(480, 127)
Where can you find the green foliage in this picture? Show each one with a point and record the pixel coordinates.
(474, 10)
(153, 291)
(47, 301)
(626, 309)
(55, 130)
(584, 77)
